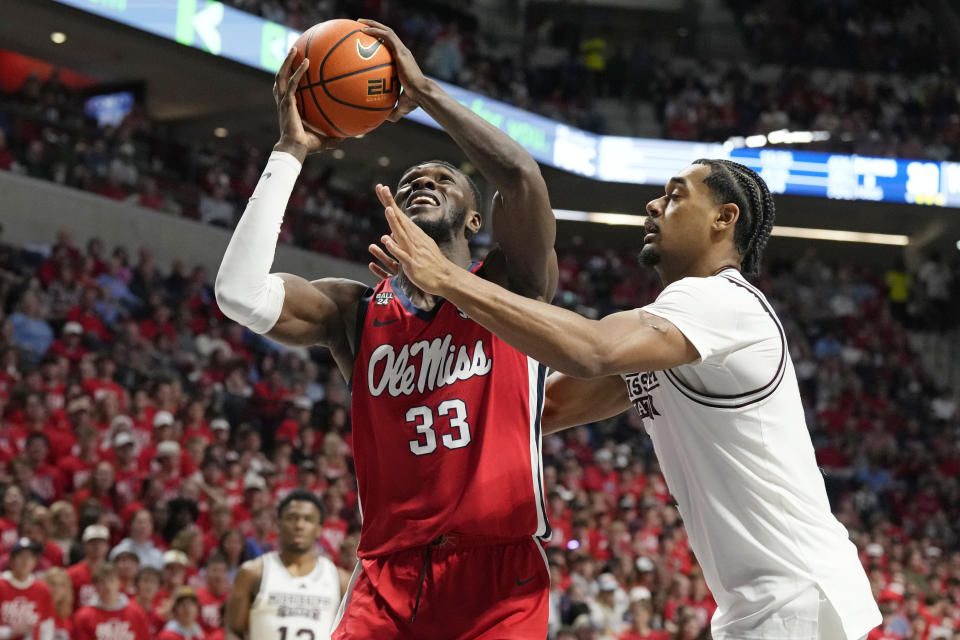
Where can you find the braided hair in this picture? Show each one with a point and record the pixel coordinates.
(734, 183)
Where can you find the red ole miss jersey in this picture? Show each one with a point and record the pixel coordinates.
(210, 609)
(446, 427)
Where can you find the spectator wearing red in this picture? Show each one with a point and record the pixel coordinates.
(46, 480)
(27, 609)
(148, 597)
(96, 544)
(36, 419)
(36, 526)
(104, 383)
(255, 497)
(184, 625)
(61, 592)
(102, 488)
(129, 473)
(127, 564)
(166, 469)
(11, 513)
(85, 314)
(175, 566)
(213, 595)
(84, 456)
(195, 423)
(269, 396)
(163, 431)
(113, 615)
(70, 344)
(158, 323)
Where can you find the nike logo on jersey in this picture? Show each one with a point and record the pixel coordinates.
(378, 323)
(366, 52)
(440, 363)
(520, 582)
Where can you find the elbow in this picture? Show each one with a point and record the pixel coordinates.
(230, 298)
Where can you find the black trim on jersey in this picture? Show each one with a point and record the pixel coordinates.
(541, 379)
(362, 307)
(769, 387)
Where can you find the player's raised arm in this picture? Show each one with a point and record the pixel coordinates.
(622, 342)
(245, 586)
(523, 223)
(288, 308)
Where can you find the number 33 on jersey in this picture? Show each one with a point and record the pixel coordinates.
(446, 427)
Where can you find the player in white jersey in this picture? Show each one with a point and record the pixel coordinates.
(292, 593)
(707, 367)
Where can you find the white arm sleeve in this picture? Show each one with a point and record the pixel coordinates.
(245, 289)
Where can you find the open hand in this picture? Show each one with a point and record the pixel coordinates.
(383, 265)
(296, 136)
(418, 254)
(411, 78)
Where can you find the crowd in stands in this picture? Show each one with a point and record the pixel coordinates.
(805, 72)
(145, 441)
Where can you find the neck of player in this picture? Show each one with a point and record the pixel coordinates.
(299, 564)
(457, 253)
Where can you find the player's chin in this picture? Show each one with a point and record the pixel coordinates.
(650, 255)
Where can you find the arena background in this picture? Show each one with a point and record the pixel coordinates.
(872, 320)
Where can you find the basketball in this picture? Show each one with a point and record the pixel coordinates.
(351, 86)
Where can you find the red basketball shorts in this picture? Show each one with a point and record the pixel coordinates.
(468, 589)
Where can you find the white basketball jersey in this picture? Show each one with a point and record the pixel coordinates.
(730, 435)
(290, 608)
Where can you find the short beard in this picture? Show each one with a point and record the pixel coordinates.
(444, 230)
(649, 256)
(292, 548)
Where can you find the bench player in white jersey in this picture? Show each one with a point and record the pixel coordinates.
(292, 593)
(707, 367)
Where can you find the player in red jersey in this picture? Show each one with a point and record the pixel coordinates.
(445, 416)
(113, 615)
(26, 607)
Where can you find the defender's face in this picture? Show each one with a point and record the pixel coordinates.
(299, 526)
(678, 223)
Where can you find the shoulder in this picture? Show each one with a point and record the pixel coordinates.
(340, 289)
(250, 572)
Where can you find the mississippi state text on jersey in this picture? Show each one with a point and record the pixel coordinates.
(446, 427)
(295, 608)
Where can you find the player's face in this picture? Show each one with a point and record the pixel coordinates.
(439, 200)
(678, 223)
(299, 527)
(23, 563)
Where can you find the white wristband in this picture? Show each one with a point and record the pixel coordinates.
(245, 289)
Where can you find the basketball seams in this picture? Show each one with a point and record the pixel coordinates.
(316, 103)
(323, 82)
(335, 57)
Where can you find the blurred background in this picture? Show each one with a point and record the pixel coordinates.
(132, 134)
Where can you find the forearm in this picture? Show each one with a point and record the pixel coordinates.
(502, 161)
(245, 290)
(569, 402)
(551, 335)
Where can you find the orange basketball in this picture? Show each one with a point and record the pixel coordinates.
(351, 86)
